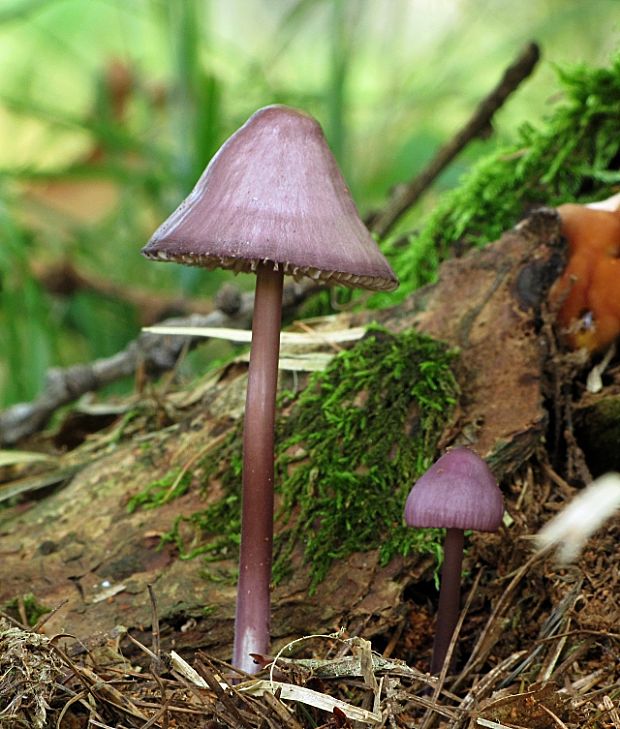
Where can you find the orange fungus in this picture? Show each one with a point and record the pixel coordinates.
(587, 294)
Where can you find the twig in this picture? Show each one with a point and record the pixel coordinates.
(157, 664)
(492, 630)
(406, 195)
(65, 278)
(224, 697)
(154, 622)
(153, 352)
(555, 718)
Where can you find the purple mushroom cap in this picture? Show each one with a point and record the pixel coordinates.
(457, 492)
(274, 195)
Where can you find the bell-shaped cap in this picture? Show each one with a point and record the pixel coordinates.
(457, 492)
(274, 194)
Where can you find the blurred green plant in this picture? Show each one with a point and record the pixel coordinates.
(26, 334)
(112, 109)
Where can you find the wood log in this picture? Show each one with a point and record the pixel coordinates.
(77, 545)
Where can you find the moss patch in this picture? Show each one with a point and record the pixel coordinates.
(349, 450)
(172, 485)
(27, 605)
(361, 433)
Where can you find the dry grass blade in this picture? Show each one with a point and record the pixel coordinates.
(224, 696)
(73, 700)
(614, 714)
(186, 671)
(494, 626)
(555, 718)
(290, 692)
(244, 336)
(28, 484)
(496, 725)
(20, 458)
(105, 692)
(483, 687)
(284, 714)
(550, 627)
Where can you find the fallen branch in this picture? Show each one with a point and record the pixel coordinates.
(406, 195)
(64, 278)
(155, 353)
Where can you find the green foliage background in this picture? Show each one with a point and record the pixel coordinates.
(390, 80)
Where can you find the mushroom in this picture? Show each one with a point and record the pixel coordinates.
(457, 492)
(272, 201)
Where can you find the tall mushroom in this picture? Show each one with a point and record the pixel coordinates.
(272, 201)
(458, 492)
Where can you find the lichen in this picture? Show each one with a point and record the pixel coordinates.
(349, 449)
(572, 156)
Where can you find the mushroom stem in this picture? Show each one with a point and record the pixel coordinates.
(449, 596)
(253, 599)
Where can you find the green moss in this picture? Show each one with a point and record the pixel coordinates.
(572, 156)
(358, 437)
(349, 450)
(216, 529)
(32, 608)
(174, 484)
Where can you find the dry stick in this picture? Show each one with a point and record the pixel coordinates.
(154, 623)
(65, 278)
(156, 664)
(155, 352)
(224, 696)
(490, 634)
(555, 718)
(406, 195)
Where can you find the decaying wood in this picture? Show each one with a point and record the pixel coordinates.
(488, 304)
(597, 423)
(80, 545)
(79, 548)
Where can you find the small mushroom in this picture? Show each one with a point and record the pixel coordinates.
(458, 492)
(272, 201)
